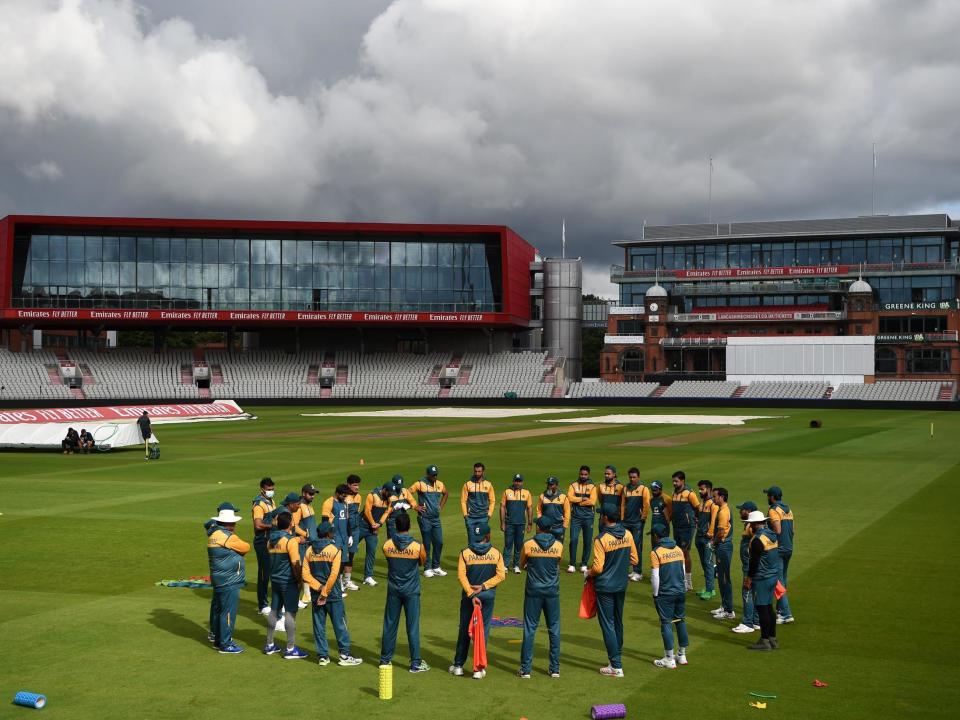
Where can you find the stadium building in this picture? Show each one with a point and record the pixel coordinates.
(308, 309)
(854, 300)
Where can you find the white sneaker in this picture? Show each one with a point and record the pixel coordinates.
(756, 627)
(456, 670)
(634, 577)
(742, 629)
(781, 620)
(718, 611)
(611, 671)
(265, 610)
(351, 585)
(583, 568)
(428, 573)
(726, 615)
(555, 675)
(323, 662)
(439, 572)
(370, 581)
(301, 604)
(349, 660)
(666, 663)
(479, 674)
(516, 569)
(571, 569)
(281, 626)
(681, 659)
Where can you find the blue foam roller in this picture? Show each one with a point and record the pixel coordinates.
(29, 699)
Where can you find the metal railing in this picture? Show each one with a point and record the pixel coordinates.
(853, 269)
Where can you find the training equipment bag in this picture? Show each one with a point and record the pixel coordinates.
(588, 601)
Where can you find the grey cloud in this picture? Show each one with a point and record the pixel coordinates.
(602, 112)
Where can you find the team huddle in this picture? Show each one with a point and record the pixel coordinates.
(306, 559)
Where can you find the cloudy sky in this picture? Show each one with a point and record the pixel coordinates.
(602, 112)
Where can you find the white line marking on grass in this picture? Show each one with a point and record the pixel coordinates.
(449, 412)
(666, 419)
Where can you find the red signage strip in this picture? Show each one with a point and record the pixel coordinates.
(121, 413)
(793, 271)
(298, 317)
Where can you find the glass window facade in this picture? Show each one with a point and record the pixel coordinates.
(932, 360)
(348, 273)
(914, 288)
(697, 256)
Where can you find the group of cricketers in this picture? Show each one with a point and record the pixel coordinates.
(306, 559)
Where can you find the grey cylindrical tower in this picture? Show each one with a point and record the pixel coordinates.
(563, 311)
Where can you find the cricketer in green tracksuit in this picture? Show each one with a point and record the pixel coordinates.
(781, 522)
(669, 588)
(264, 508)
(749, 618)
(321, 568)
(404, 557)
(554, 504)
(723, 548)
(583, 501)
(706, 518)
(480, 569)
(762, 577)
(634, 509)
(431, 498)
(516, 516)
(614, 552)
(541, 557)
(225, 553)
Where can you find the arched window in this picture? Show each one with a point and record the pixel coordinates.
(885, 361)
(631, 362)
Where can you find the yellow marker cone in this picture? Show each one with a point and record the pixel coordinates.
(361, 461)
(386, 682)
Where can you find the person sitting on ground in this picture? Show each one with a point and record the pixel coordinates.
(71, 442)
(86, 442)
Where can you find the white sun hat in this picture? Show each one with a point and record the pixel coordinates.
(227, 516)
(756, 516)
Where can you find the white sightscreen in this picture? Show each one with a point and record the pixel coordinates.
(829, 359)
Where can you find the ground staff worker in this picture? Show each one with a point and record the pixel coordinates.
(723, 550)
(762, 578)
(516, 516)
(781, 522)
(263, 510)
(555, 506)
(749, 622)
(706, 518)
(669, 588)
(634, 509)
(321, 568)
(404, 557)
(613, 554)
(376, 510)
(685, 507)
(146, 432)
(477, 500)
(480, 569)
(225, 553)
(431, 499)
(541, 557)
(583, 499)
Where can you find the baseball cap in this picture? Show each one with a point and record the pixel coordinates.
(324, 527)
(517, 477)
(481, 530)
(655, 485)
(432, 470)
(775, 491)
(552, 480)
(309, 488)
(544, 523)
(397, 480)
(291, 497)
(749, 506)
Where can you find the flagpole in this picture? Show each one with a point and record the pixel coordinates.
(563, 238)
(873, 181)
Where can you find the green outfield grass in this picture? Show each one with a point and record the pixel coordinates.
(873, 585)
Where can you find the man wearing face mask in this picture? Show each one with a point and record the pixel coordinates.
(263, 511)
(306, 520)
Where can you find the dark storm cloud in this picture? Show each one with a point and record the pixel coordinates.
(602, 111)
